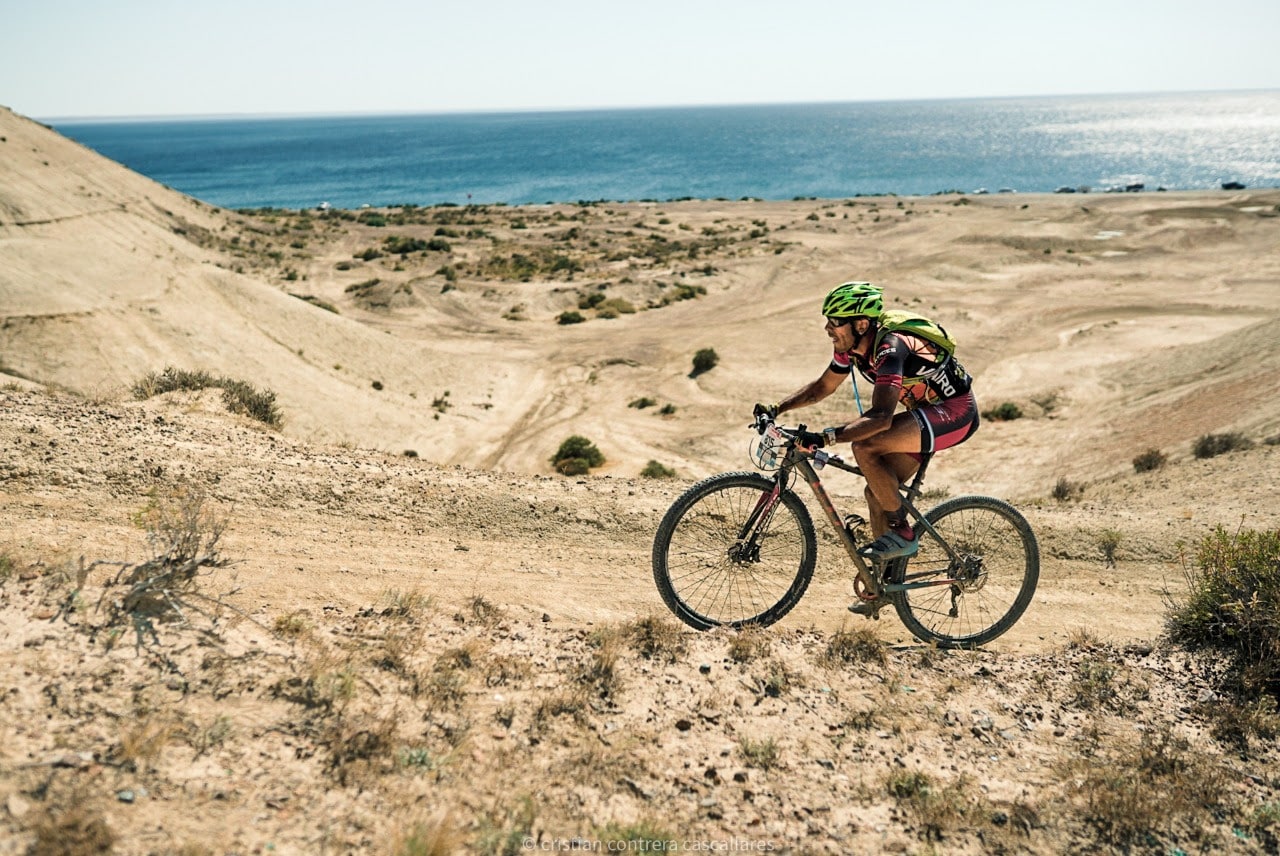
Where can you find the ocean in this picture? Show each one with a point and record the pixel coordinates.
(1172, 141)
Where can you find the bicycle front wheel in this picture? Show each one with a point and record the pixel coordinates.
(994, 565)
(725, 555)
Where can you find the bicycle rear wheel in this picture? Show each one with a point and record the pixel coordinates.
(723, 556)
(995, 567)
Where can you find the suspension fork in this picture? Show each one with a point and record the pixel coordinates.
(759, 518)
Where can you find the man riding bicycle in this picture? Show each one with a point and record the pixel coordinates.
(909, 360)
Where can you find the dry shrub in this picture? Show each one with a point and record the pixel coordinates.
(1233, 605)
(1212, 445)
(483, 611)
(1146, 793)
(437, 836)
(360, 747)
(656, 638)
(1151, 459)
(939, 807)
(80, 830)
(848, 648)
(1065, 489)
(1100, 683)
(168, 589)
(750, 643)
(504, 829)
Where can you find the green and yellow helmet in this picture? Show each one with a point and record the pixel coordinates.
(850, 299)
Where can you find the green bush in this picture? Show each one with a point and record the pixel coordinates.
(642, 402)
(704, 361)
(1006, 412)
(576, 456)
(570, 317)
(399, 246)
(1233, 605)
(591, 301)
(1151, 459)
(655, 470)
(1211, 445)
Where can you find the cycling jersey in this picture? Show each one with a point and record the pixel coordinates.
(922, 372)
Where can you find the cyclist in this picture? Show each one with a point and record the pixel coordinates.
(907, 362)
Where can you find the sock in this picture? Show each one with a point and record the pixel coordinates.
(897, 521)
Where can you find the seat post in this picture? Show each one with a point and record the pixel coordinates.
(913, 489)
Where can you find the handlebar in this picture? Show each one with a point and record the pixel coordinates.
(763, 424)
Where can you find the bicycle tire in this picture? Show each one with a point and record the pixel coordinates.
(698, 578)
(1000, 565)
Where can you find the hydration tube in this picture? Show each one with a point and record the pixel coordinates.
(853, 378)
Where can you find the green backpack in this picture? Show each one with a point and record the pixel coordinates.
(898, 321)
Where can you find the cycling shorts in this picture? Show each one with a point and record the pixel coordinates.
(948, 423)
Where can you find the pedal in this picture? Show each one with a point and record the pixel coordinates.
(853, 524)
(869, 608)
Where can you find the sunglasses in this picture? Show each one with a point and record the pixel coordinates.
(839, 322)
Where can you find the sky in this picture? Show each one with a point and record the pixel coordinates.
(118, 58)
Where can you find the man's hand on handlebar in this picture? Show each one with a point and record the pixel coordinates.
(763, 415)
(809, 439)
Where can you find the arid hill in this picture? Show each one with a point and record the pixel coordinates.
(422, 622)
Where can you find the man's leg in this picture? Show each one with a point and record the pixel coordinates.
(885, 462)
(903, 466)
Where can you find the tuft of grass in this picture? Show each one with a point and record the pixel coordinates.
(293, 625)
(1212, 445)
(644, 837)
(142, 740)
(642, 403)
(437, 836)
(599, 676)
(762, 754)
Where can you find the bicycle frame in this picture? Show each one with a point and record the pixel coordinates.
(799, 460)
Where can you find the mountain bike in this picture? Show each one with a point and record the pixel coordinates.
(739, 549)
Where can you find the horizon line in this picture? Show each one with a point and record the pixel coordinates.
(491, 111)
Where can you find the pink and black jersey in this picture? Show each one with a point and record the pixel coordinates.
(922, 372)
